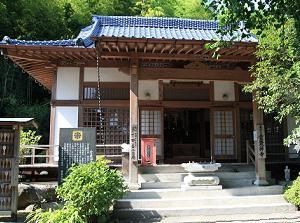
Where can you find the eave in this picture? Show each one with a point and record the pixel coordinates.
(41, 62)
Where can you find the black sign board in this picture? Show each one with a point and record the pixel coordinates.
(76, 146)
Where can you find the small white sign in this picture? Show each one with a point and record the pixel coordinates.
(255, 135)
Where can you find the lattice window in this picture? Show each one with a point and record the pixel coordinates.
(150, 122)
(115, 124)
(108, 91)
(224, 146)
(223, 122)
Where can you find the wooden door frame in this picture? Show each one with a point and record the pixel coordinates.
(161, 136)
(212, 132)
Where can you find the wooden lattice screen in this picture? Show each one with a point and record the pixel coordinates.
(115, 124)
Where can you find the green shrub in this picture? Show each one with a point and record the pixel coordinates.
(27, 138)
(92, 188)
(292, 194)
(88, 192)
(63, 215)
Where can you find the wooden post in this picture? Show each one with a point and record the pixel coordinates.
(134, 126)
(259, 146)
(52, 119)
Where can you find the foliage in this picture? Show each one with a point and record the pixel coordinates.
(67, 214)
(277, 70)
(27, 138)
(92, 188)
(192, 9)
(277, 73)
(171, 8)
(39, 111)
(77, 13)
(258, 14)
(88, 191)
(292, 194)
(157, 8)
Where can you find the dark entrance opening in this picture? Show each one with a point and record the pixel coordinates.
(186, 135)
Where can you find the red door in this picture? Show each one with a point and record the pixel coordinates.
(148, 147)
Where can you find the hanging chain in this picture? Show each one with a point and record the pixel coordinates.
(101, 118)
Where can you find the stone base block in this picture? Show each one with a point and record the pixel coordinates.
(185, 187)
(192, 180)
(259, 182)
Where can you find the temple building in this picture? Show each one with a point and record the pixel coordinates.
(136, 78)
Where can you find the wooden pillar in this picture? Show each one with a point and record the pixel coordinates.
(52, 120)
(259, 146)
(134, 126)
(52, 135)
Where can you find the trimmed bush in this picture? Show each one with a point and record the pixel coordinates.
(92, 188)
(292, 194)
(89, 191)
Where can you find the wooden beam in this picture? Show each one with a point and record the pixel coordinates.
(193, 74)
(28, 58)
(91, 103)
(92, 63)
(168, 56)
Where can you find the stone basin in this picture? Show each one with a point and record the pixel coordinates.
(201, 167)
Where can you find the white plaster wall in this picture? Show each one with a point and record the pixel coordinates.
(67, 83)
(65, 117)
(224, 87)
(107, 75)
(148, 86)
(291, 124)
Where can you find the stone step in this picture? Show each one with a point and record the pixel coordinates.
(233, 183)
(178, 177)
(178, 193)
(228, 179)
(203, 211)
(160, 185)
(286, 217)
(198, 202)
(177, 168)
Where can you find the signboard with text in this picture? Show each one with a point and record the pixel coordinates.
(76, 146)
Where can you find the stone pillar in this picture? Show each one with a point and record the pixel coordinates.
(134, 127)
(259, 146)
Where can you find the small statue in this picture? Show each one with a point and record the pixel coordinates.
(287, 173)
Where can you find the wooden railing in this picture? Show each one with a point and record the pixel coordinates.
(44, 158)
(250, 153)
(112, 152)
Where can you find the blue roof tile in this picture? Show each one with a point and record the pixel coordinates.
(139, 27)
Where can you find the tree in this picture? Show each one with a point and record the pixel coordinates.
(277, 70)
(192, 9)
(156, 8)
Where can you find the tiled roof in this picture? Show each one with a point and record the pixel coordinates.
(139, 27)
(69, 42)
